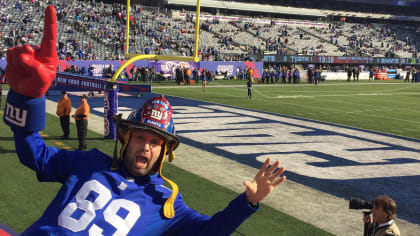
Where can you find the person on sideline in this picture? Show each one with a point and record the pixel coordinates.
(64, 111)
(349, 72)
(103, 195)
(371, 72)
(204, 80)
(407, 77)
(317, 76)
(251, 73)
(249, 85)
(81, 116)
(383, 211)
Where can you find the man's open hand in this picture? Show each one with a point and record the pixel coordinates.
(31, 69)
(264, 182)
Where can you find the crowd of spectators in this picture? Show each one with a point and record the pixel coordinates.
(280, 74)
(91, 30)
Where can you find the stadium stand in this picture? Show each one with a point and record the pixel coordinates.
(96, 30)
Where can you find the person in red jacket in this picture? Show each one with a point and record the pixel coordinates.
(81, 116)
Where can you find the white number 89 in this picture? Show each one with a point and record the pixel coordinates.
(123, 225)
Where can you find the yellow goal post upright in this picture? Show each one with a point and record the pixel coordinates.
(132, 57)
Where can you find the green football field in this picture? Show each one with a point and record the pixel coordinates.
(389, 107)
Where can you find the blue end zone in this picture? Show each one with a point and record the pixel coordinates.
(405, 190)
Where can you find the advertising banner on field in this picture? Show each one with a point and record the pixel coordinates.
(100, 66)
(231, 66)
(168, 67)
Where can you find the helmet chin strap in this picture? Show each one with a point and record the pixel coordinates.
(116, 119)
(168, 206)
(114, 165)
(126, 138)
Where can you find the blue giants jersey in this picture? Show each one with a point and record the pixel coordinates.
(94, 200)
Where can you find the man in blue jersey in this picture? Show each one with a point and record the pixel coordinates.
(102, 195)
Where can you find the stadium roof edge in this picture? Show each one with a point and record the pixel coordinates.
(370, 15)
(250, 7)
(287, 10)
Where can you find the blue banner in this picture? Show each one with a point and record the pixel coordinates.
(168, 67)
(99, 67)
(76, 82)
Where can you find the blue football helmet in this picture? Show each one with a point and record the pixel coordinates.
(155, 115)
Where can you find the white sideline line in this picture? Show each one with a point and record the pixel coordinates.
(411, 129)
(344, 95)
(336, 110)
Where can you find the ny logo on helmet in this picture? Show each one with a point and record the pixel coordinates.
(156, 114)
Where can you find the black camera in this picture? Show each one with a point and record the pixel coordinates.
(357, 203)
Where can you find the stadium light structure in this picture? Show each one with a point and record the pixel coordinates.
(137, 57)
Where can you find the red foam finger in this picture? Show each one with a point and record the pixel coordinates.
(17, 51)
(28, 49)
(48, 44)
(28, 60)
(9, 55)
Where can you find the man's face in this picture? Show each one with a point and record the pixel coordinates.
(142, 152)
(379, 215)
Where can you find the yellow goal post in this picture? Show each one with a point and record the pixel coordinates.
(132, 57)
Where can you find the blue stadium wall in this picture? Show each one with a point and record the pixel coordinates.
(165, 66)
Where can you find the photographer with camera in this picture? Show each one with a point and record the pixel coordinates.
(383, 212)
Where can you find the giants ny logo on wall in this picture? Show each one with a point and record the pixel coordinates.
(15, 115)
